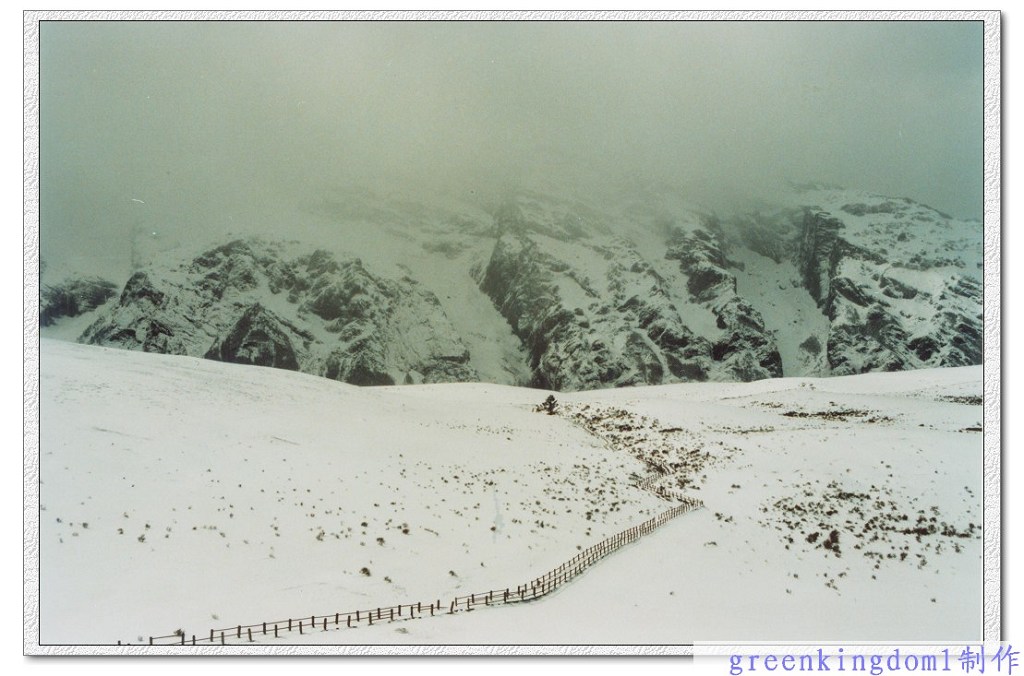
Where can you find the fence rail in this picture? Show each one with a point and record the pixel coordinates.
(529, 591)
(534, 589)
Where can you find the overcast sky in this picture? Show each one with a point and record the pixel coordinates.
(217, 122)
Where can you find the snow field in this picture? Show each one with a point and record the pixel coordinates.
(186, 494)
(183, 495)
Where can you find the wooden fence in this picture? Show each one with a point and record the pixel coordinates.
(534, 589)
(529, 591)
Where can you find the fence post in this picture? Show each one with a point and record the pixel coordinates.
(211, 636)
(325, 624)
(264, 628)
(348, 621)
(336, 619)
(300, 626)
(222, 638)
(250, 634)
(275, 631)
(289, 624)
(150, 640)
(239, 634)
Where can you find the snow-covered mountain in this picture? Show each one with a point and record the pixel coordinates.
(248, 302)
(561, 293)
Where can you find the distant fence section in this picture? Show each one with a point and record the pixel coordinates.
(529, 591)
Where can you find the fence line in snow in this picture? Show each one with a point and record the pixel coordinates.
(534, 589)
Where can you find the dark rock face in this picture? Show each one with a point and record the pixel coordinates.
(140, 289)
(699, 247)
(821, 249)
(811, 344)
(885, 207)
(360, 367)
(143, 319)
(343, 295)
(875, 342)
(877, 337)
(231, 267)
(260, 338)
(746, 351)
(73, 298)
(564, 347)
(519, 280)
(620, 329)
(965, 339)
(706, 281)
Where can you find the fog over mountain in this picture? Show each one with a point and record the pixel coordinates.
(187, 129)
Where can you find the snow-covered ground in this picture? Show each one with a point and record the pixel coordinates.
(179, 493)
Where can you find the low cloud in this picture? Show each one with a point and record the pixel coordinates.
(182, 127)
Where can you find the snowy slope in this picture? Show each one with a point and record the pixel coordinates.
(797, 324)
(908, 233)
(179, 493)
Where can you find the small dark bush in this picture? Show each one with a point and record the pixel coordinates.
(550, 405)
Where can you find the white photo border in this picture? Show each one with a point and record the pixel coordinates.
(992, 367)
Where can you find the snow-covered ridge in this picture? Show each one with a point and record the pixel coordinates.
(249, 302)
(564, 294)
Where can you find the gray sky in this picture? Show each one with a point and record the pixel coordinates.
(218, 123)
